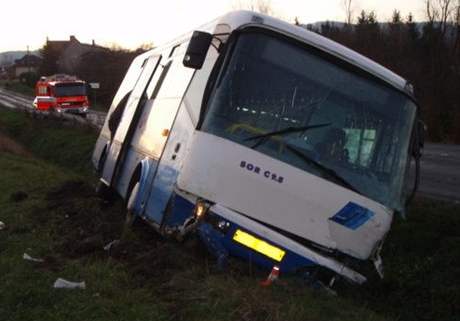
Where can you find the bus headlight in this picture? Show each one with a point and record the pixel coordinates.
(201, 208)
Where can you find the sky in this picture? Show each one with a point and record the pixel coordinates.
(130, 23)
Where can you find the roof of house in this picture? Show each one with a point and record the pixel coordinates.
(28, 61)
(60, 45)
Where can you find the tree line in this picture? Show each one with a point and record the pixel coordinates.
(106, 67)
(427, 54)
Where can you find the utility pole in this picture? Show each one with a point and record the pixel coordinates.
(27, 59)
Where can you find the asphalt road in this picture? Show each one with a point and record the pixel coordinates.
(440, 165)
(440, 172)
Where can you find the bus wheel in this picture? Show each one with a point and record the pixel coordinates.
(104, 192)
(130, 215)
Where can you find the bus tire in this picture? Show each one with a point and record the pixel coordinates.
(104, 192)
(131, 199)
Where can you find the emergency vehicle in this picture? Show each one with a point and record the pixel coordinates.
(61, 93)
(268, 141)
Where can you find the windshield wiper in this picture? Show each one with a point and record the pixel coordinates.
(324, 169)
(287, 130)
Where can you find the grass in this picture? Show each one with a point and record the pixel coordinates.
(51, 140)
(422, 266)
(18, 87)
(148, 278)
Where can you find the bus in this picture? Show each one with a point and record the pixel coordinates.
(266, 141)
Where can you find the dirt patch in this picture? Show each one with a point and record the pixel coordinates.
(10, 146)
(85, 223)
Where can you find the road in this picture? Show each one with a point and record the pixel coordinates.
(440, 168)
(440, 165)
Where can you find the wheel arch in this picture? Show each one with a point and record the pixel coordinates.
(141, 175)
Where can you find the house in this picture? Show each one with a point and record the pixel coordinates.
(70, 52)
(28, 63)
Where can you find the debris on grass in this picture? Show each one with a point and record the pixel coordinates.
(2, 226)
(113, 243)
(27, 257)
(65, 284)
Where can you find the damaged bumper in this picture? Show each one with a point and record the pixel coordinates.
(226, 232)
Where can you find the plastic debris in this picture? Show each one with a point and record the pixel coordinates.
(109, 246)
(27, 257)
(273, 276)
(64, 284)
(2, 226)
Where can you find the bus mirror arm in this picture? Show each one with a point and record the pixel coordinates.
(197, 49)
(421, 131)
(418, 145)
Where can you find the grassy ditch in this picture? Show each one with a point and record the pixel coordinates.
(51, 212)
(51, 140)
(18, 87)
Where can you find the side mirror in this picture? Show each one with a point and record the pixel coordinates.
(197, 49)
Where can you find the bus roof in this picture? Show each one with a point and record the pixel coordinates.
(239, 19)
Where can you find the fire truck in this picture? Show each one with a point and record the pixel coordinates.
(61, 93)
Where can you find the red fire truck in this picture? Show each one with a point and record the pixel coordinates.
(61, 93)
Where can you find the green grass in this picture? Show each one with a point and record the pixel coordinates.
(148, 278)
(18, 87)
(422, 266)
(51, 140)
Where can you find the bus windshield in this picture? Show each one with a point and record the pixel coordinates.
(287, 102)
(70, 89)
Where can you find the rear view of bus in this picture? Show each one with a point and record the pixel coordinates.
(300, 152)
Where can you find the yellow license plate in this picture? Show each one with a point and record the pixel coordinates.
(259, 245)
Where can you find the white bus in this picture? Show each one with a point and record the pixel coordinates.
(268, 141)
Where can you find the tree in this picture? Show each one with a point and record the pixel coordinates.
(362, 19)
(50, 58)
(347, 6)
(411, 28)
(262, 6)
(439, 13)
(107, 67)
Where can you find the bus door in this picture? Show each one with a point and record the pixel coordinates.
(128, 122)
(169, 130)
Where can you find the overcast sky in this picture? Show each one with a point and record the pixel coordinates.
(129, 23)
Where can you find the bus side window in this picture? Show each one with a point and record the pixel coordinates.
(115, 116)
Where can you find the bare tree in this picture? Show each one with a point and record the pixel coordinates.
(439, 11)
(432, 13)
(348, 8)
(262, 6)
(457, 28)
